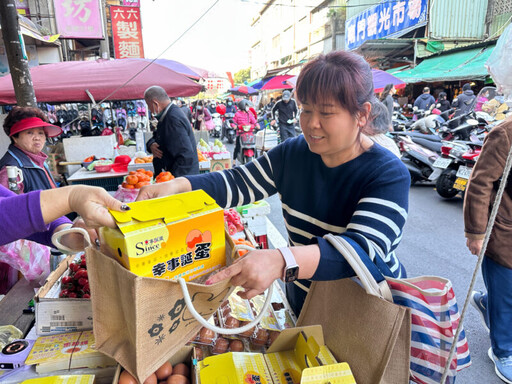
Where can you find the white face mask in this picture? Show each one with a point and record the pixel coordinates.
(246, 109)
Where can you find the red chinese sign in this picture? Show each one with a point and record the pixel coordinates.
(126, 32)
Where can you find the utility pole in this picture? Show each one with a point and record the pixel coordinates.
(16, 56)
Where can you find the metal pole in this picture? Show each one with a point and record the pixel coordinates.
(104, 44)
(16, 55)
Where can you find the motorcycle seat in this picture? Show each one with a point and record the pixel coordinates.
(433, 138)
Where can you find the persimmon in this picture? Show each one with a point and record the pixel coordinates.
(149, 173)
(141, 184)
(138, 160)
(132, 172)
(164, 176)
(143, 177)
(130, 186)
(124, 184)
(141, 170)
(132, 179)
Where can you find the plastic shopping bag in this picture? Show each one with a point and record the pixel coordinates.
(30, 258)
(499, 61)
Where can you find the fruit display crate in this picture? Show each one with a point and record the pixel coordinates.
(55, 314)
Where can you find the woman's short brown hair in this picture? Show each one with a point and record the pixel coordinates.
(19, 113)
(342, 76)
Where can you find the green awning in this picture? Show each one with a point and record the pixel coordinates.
(462, 65)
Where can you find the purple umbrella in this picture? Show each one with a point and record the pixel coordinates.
(382, 78)
(177, 67)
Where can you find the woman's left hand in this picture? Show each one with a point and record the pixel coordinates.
(254, 272)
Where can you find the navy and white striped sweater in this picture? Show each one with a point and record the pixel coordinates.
(364, 200)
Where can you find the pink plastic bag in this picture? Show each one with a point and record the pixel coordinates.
(126, 195)
(30, 258)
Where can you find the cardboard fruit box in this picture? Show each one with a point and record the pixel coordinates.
(175, 236)
(57, 315)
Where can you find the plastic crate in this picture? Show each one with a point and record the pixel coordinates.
(108, 183)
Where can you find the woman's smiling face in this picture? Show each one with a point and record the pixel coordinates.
(331, 131)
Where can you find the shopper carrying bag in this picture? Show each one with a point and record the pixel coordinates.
(362, 330)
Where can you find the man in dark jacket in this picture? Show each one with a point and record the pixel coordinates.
(172, 145)
(425, 100)
(464, 102)
(286, 109)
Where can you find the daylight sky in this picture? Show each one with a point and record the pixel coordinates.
(219, 42)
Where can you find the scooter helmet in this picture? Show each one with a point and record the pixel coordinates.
(241, 105)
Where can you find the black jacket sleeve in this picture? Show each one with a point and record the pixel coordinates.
(179, 153)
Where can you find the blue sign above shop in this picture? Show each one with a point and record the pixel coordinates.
(386, 19)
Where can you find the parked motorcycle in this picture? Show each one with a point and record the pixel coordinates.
(418, 159)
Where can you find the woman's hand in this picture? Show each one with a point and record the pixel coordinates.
(167, 188)
(92, 204)
(254, 272)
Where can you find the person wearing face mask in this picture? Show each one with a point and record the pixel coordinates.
(202, 116)
(173, 145)
(243, 117)
(286, 110)
(28, 129)
(211, 107)
(230, 107)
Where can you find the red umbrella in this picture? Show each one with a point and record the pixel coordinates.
(277, 82)
(68, 81)
(242, 90)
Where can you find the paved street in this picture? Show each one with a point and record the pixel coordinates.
(434, 244)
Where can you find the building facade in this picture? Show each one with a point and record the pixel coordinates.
(288, 32)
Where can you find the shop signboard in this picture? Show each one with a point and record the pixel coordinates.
(126, 32)
(386, 19)
(131, 3)
(78, 19)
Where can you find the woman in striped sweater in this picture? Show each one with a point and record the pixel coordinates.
(331, 179)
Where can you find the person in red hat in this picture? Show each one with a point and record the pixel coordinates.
(28, 129)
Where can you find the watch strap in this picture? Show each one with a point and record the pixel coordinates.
(289, 259)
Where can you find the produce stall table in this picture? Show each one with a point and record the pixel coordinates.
(108, 180)
(13, 304)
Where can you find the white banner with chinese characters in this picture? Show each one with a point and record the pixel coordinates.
(126, 32)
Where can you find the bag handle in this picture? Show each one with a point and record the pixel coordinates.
(226, 331)
(371, 278)
(61, 247)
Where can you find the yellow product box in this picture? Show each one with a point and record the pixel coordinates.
(175, 236)
(62, 379)
(297, 356)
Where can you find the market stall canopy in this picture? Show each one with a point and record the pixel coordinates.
(462, 65)
(382, 78)
(177, 67)
(68, 81)
(277, 82)
(243, 90)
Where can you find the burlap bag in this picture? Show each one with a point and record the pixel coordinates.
(142, 322)
(361, 325)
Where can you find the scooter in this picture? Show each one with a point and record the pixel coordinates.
(229, 127)
(247, 143)
(418, 159)
(217, 121)
(460, 161)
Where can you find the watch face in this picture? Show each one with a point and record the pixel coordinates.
(291, 274)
